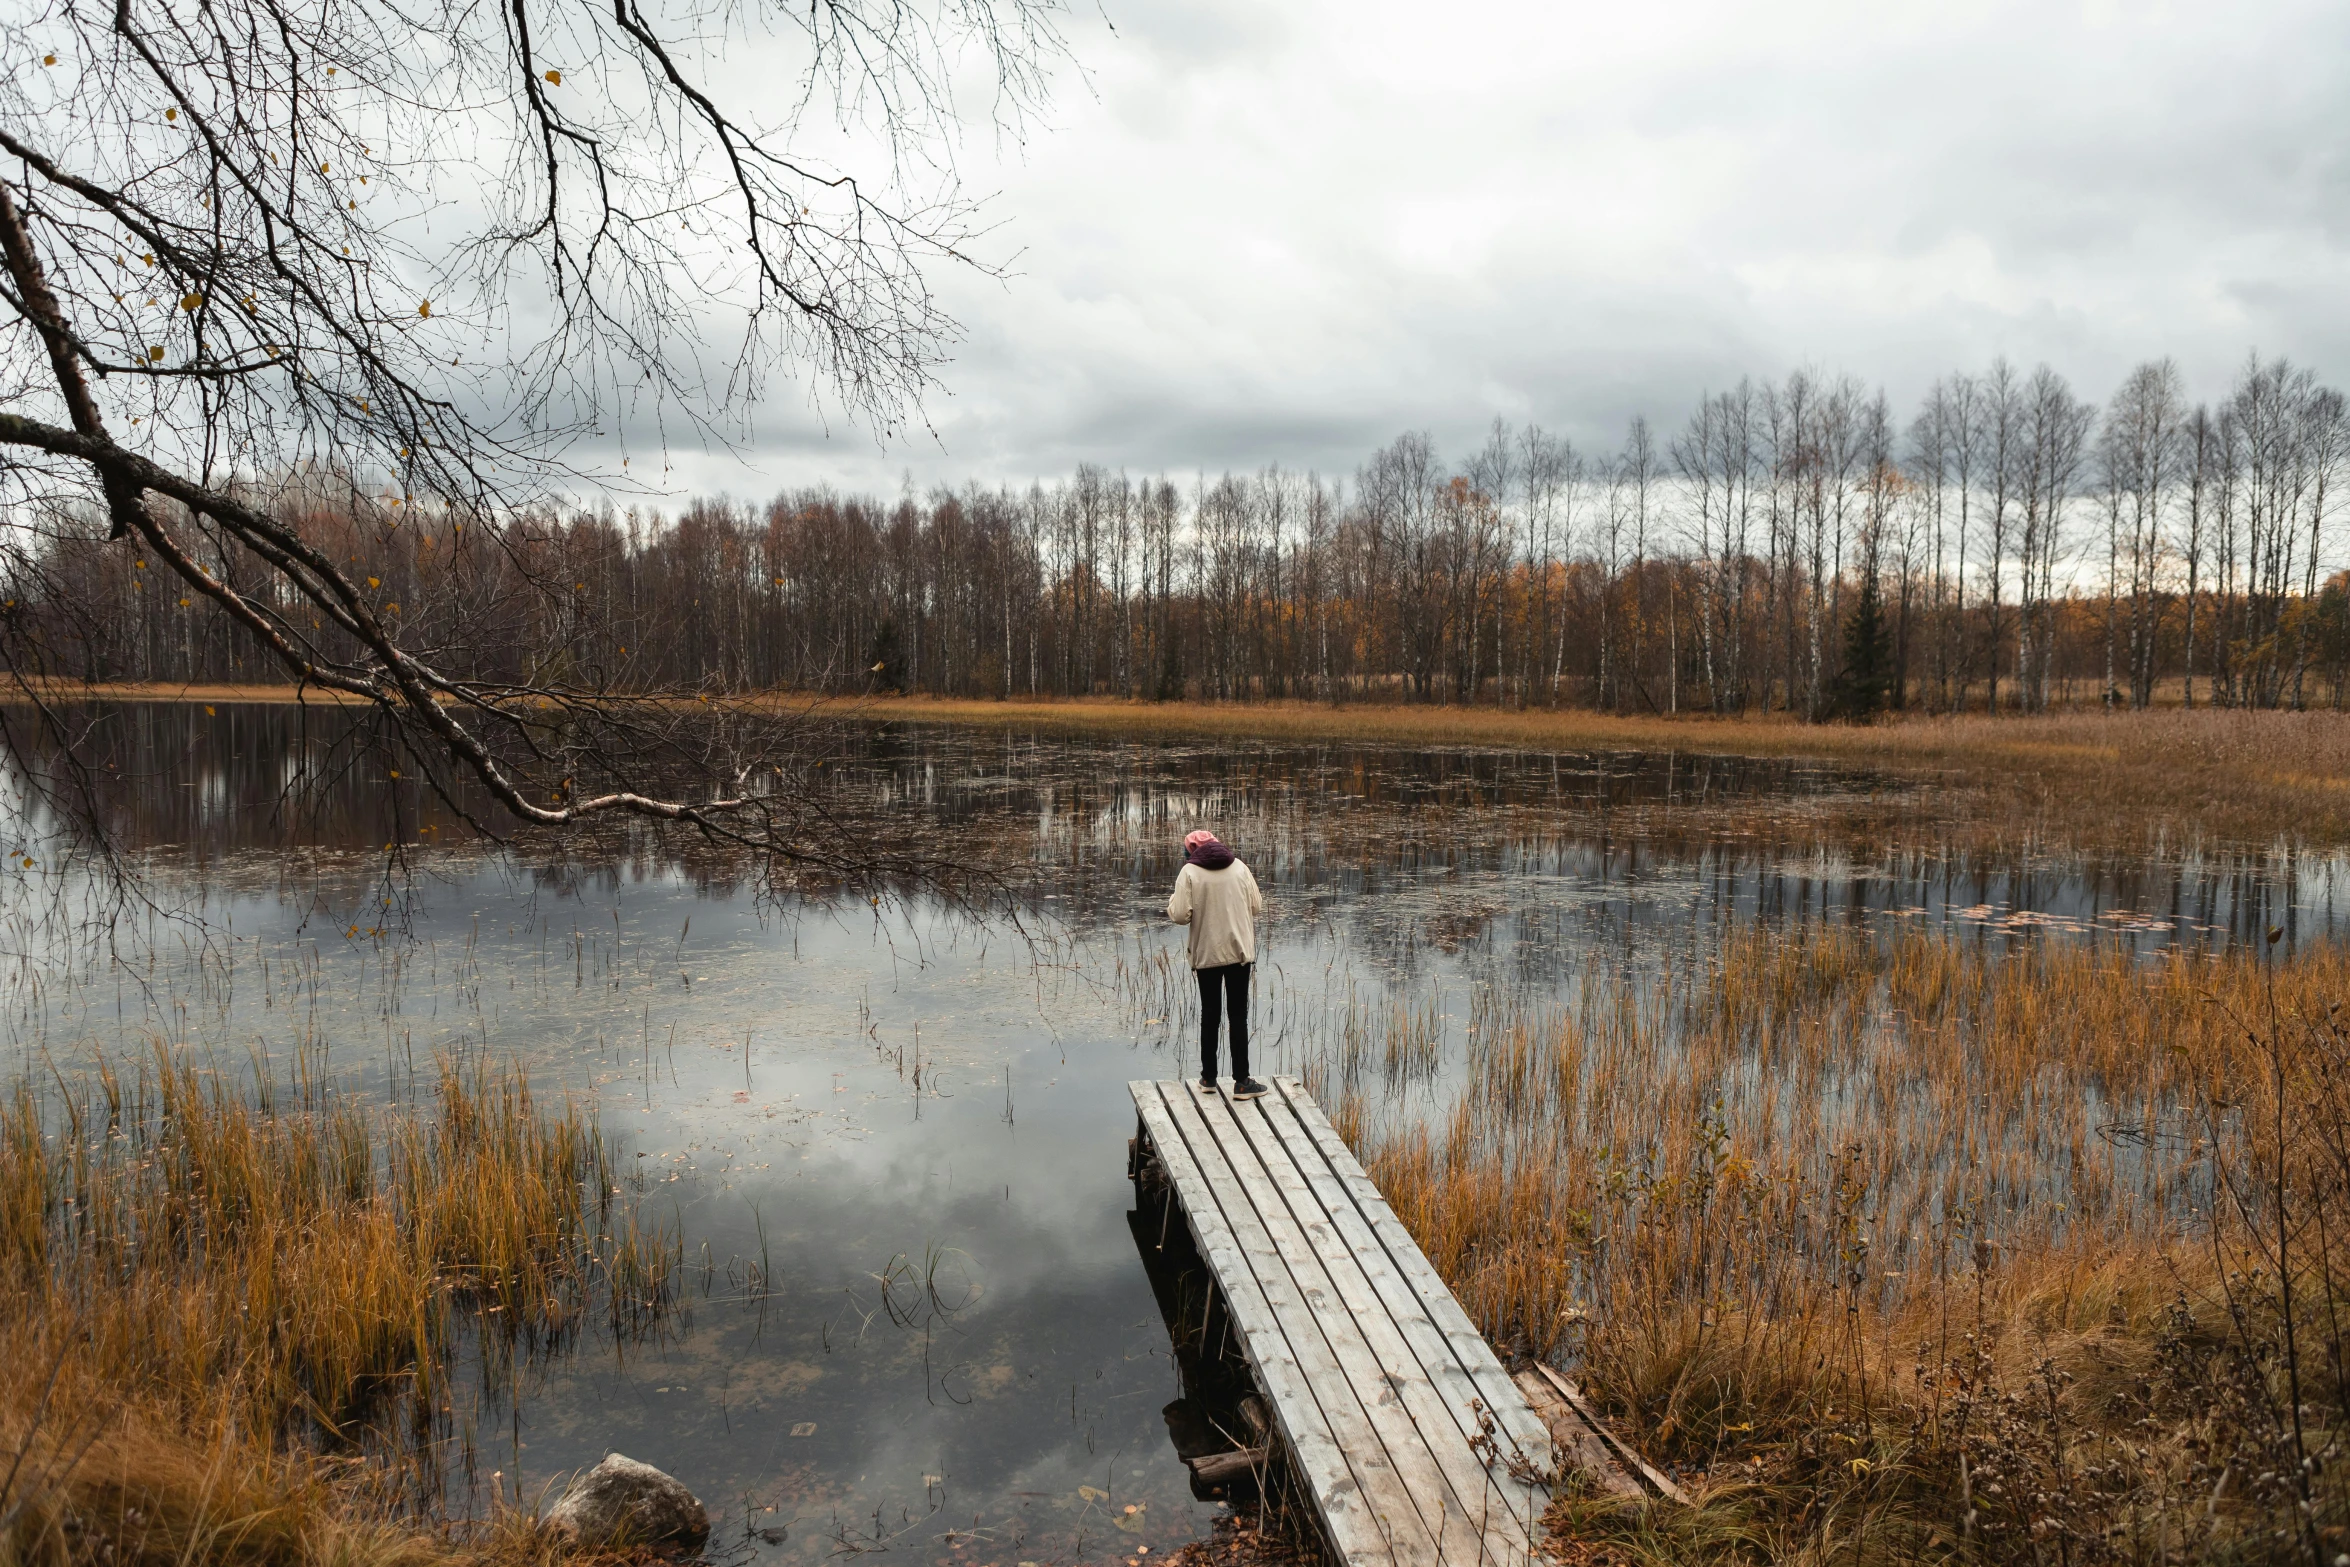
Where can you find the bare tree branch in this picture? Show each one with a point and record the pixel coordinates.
(420, 261)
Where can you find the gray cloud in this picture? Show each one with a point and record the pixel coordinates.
(1283, 234)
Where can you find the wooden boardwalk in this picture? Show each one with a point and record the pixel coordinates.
(1415, 1444)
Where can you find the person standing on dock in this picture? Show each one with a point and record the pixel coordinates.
(1217, 897)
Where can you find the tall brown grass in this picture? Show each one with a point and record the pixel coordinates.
(1913, 1248)
(229, 1326)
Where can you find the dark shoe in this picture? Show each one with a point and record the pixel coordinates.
(1207, 1084)
(1248, 1088)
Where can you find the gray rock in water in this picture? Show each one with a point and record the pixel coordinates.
(623, 1500)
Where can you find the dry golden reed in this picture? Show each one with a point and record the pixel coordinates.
(229, 1324)
(1794, 1211)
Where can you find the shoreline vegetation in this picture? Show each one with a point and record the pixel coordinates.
(2122, 781)
(235, 1313)
(1899, 1248)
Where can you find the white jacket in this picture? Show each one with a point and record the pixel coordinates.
(1221, 909)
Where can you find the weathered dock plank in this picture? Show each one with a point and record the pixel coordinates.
(1376, 1497)
(1279, 1376)
(1355, 1535)
(1416, 1445)
(1469, 1350)
(1364, 1377)
(1393, 1305)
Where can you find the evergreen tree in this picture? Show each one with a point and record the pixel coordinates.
(1867, 681)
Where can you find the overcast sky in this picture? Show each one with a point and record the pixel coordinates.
(1284, 233)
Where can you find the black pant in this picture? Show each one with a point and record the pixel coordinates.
(1220, 988)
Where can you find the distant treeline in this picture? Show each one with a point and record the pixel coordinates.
(1791, 545)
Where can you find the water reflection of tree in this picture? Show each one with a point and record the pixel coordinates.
(255, 791)
(300, 294)
(1493, 860)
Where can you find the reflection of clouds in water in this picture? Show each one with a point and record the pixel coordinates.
(1008, 1161)
(827, 1089)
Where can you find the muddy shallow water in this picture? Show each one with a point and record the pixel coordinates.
(912, 1127)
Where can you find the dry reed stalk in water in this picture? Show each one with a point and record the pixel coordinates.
(218, 1311)
(1791, 1210)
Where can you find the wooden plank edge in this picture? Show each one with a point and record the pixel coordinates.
(1579, 1448)
(1649, 1474)
(1503, 1397)
(1350, 1525)
(1387, 1493)
(1223, 1468)
(1316, 1454)
(1411, 1453)
(1443, 1427)
(1261, 1338)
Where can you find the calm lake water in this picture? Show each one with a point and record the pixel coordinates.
(920, 1121)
